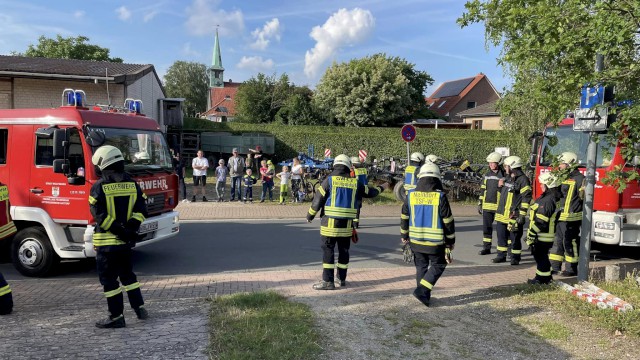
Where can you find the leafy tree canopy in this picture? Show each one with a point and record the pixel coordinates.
(68, 48)
(373, 91)
(549, 49)
(260, 98)
(188, 80)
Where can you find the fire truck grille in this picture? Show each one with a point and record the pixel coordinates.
(155, 204)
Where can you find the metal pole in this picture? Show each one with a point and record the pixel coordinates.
(408, 155)
(587, 211)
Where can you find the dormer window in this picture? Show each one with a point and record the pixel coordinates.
(442, 103)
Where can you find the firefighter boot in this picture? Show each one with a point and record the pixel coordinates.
(515, 259)
(423, 295)
(571, 269)
(486, 249)
(111, 322)
(324, 285)
(142, 313)
(556, 267)
(537, 281)
(502, 257)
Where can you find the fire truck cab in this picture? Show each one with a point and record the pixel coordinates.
(616, 216)
(45, 159)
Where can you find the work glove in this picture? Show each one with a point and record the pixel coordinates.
(480, 207)
(520, 220)
(117, 229)
(354, 236)
(532, 237)
(512, 226)
(407, 253)
(447, 255)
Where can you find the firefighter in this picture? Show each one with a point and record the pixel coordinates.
(411, 171)
(118, 205)
(567, 243)
(542, 227)
(488, 201)
(431, 159)
(7, 230)
(360, 173)
(427, 225)
(513, 204)
(336, 200)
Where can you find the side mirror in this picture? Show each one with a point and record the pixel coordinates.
(60, 143)
(45, 133)
(76, 180)
(61, 166)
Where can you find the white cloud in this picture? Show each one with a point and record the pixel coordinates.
(271, 30)
(188, 51)
(255, 63)
(149, 16)
(343, 28)
(78, 14)
(124, 14)
(204, 15)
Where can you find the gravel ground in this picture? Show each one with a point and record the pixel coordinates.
(479, 325)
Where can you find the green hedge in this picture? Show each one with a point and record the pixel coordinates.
(473, 145)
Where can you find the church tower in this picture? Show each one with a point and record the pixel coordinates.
(215, 71)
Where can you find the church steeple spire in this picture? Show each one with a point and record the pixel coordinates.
(216, 71)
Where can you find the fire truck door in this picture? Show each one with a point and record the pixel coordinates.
(51, 191)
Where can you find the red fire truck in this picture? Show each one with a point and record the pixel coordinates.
(45, 159)
(616, 217)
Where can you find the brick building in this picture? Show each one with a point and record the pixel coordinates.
(453, 97)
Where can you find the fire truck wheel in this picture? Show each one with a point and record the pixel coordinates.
(32, 253)
(399, 192)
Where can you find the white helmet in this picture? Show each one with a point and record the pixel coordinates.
(431, 159)
(568, 158)
(355, 160)
(417, 157)
(106, 155)
(342, 159)
(548, 179)
(495, 157)
(429, 169)
(513, 162)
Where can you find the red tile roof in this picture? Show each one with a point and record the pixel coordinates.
(221, 98)
(442, 105)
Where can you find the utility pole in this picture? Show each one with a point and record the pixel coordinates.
(587, 211)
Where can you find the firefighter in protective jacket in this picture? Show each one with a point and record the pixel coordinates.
(513, 206)
(7, 230)
(567, 243)
(488, 201)
(411, 171)
(542, 227)
(336, 200)
(118, 205)
(427, 225)
(360, 172)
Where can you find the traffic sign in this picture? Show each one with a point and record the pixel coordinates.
(591, 96)
(408, 133)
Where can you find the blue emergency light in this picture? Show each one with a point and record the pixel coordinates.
(73, 97)
(133, 105)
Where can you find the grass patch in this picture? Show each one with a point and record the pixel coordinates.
(413, 332)
(261, 325)
(589, 315)
(553, 330)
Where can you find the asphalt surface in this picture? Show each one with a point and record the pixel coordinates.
(204, 247)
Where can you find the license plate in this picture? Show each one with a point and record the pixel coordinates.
(148, 227)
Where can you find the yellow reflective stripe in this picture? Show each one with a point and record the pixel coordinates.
(106, 239)
(422, 230)
(92, 200)
(108, 221)
(426, 242)
(404, 231)
(113, 292)
(340, 212)
(138, 216)
(556, 257)
(135, 285)
(542, 217)
(522, 212)
(312, 212)
(489, 206)
(516, 252)
(546, 237)
(535, 228)
(570, 259)
(447, 220)
(488, 240)
(342, 266)
(525, 189)
(426, 284)
(543, 273)
(335, 232)
(5, 290)
(450, 236)
(327, 266)
(404, 217)
(567, 202)
(570, 216)
(502, 248)
(361, 171)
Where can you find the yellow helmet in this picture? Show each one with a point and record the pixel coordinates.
(430, 170)
(342, 159)
(106, 155)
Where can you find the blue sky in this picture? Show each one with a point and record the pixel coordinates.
(301, 38)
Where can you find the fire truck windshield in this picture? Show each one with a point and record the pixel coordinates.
(143, 150)
(562, 138)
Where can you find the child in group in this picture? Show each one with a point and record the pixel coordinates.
(248, 181)
(284, 177)
(221, 176)
(267, 171)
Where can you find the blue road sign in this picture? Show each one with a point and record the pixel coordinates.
(591, 96)
(408, 133)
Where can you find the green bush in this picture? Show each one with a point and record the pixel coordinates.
(473, 145)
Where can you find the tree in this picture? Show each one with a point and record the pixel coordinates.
(188, 80)
(68, 48)
(549, 49)
(260, 98)
(372, 91)
(299, 109)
